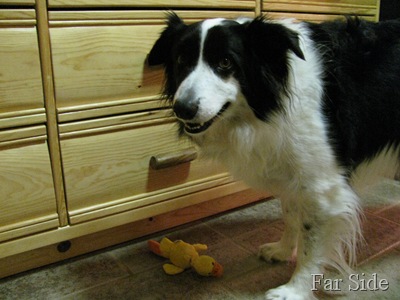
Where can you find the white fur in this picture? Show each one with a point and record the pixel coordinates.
(212, 90)
(383, 165)
(290, 156)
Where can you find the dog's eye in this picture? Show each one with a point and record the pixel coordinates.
(180, 60)
(225, 63)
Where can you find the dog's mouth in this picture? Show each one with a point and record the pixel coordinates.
(195, 128)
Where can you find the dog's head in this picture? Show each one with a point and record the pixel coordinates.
(211, 65)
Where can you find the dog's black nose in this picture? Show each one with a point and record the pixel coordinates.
(186, 109)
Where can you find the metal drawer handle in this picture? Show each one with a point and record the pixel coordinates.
(171, 159)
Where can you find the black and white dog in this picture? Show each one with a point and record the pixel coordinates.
(305, 111)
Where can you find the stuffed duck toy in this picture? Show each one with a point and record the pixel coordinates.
(183, 256)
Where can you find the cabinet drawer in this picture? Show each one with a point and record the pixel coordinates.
(18, 2)
(154, 3)
(27, 198)
(323, 9)
(21, 95)
(110, 172)
(95, 65)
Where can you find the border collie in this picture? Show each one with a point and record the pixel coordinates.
(305, 111)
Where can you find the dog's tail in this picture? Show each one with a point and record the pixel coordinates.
(346, 234)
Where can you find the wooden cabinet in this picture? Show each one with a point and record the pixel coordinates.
(81, 120)
(75, 149)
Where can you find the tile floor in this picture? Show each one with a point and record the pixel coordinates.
(130, 271)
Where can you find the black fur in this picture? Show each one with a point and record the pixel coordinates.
(266, 65)
(362, 86)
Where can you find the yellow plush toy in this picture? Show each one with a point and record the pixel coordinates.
(183, 256)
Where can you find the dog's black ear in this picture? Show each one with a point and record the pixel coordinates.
(272, 39)
(163, 46)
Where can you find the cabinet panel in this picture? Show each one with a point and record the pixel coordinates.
(21, 83)
(332, 7)
(103, 63)
(18, 2)
(27, 198)
(155, 3)
(110, 171)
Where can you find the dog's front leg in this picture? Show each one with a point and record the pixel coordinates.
(308, 262)
(328, 230)
(310, 255)
(283, 249)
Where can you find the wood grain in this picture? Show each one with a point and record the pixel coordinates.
(21, 133)
(94, 110)
(17, 17)
(311, 17)
(103, 17)
(154, 3)
(26, 189)
(22, 118)
(114, 123)
(18, 2)
(358, 7)
(21, 82)
(99, 64)
(51, 112)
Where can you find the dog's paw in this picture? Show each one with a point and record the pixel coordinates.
(287, 292)
(275, 252)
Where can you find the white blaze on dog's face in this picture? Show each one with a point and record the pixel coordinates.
(209, 87)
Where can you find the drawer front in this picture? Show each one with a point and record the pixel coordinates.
(154, 3)
(95, 64)
(18, 2)
(27, 198)
(110, 172)
(21, 82)
(323, 10)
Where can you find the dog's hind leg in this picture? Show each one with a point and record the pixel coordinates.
(283, 250)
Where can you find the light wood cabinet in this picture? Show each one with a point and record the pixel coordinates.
(81, 119)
